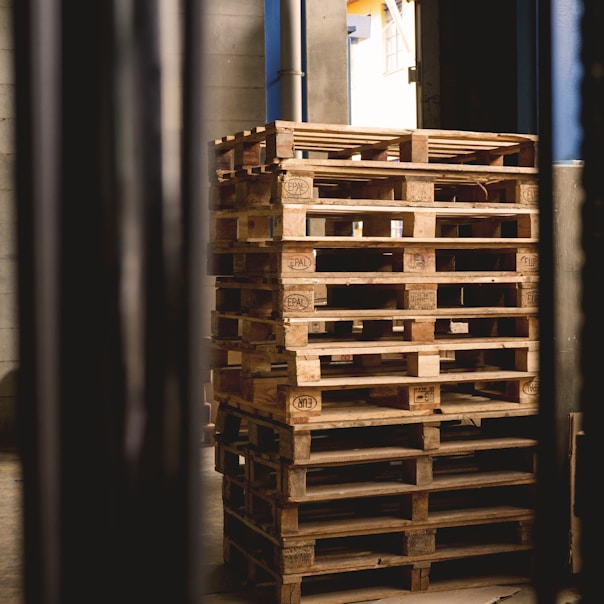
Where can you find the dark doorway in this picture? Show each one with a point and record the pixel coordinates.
(487, 65)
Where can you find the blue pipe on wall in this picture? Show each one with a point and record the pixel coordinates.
(567, 73)
(272, 61)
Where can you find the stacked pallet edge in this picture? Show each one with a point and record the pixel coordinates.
(374, 357)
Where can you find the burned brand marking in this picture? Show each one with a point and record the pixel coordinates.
(305, 403)
(529, 262)
(296, 302)
(531, 387)
(532, 297)
(296, 187)
(299, 263)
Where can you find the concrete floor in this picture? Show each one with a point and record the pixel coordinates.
(221, 584)
(10, 529)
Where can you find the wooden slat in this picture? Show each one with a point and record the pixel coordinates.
(447, 448)
(448, 483)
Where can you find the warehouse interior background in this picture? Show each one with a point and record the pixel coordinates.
(107, 109)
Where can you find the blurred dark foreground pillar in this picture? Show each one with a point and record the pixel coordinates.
(109, 251)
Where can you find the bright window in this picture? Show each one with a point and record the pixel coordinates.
(394, 46)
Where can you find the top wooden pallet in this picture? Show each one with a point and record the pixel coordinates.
(279, 140)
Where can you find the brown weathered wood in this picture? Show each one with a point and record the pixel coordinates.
(421, 541)
(384, 281)
(246, 154)
(280, 145)
(415, 148)
(423, 364)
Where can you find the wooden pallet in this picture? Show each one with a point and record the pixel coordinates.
(310, 444)
(314, 257)
(236, 328)
(413, 544)
(365, 577)
(380, 513)
(379, 403)
(316, 361)
(358, 408)
(365, 218)
(382, 470)
(351, 295)
(303, 181)
(421, 395)
(282, 139)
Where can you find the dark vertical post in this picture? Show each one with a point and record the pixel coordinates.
(590, 489)
(195, 241)
(92, 358)
(549, 538)
(38, 138)
(108, 287)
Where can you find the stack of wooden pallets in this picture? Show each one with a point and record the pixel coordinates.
(375, 357)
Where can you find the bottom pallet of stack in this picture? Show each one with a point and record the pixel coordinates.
(366, 577)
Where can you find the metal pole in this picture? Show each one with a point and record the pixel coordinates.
(37, 31)
(291, 60)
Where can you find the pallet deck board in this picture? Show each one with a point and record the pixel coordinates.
(367, 525)
(345, 491)
(491, 244)
(377, 453)
(350, 383)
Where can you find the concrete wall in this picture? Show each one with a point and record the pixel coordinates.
(8, 277)
(326, 62)
(234, 89)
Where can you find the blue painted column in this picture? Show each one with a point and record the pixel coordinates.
(272, 50)
(566, 80)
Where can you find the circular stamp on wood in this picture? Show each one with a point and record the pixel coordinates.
(529, 193)
(296, 302)
(529, 262)
(531, 387)
(296, 187)
(531, 297)
(305, 402)
(299, 263)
